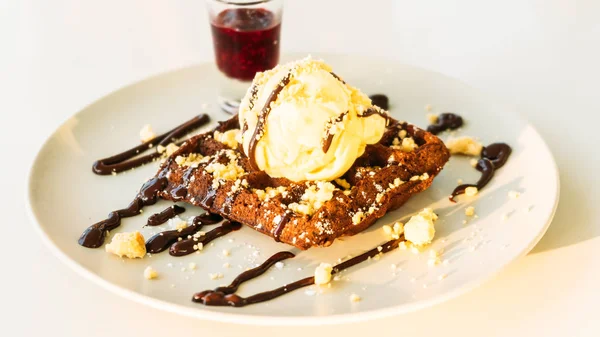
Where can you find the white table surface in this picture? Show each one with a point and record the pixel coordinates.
(541, 56)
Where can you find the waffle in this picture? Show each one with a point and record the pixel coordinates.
(210, 174)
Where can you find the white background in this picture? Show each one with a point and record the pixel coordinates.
(541, 56)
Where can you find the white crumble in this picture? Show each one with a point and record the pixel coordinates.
(323, 274)
(131, 245)
(146, 133)
(471, 191)
(279, 265)
(354, 298)
(464, 145)
(420, 228)
(514, 194)
(432, 118)
(150, 273)
(215, 276)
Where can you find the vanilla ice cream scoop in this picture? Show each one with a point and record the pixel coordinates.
(302, 122)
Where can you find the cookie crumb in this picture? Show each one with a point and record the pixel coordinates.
(323, 274)
(514, 194)
(471, 191)
(146, 133)
(130, 245)
(150, 273)
(470, 211)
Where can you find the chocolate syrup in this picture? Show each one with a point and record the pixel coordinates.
(327, 141)
(162, 217)
(93, 236)
(225, 296)
(229, 200)
(262, 120)
(162, 241)
(497, 153)
(186, 247)
(281, 225)
(372, 111)
(180, 192)
(446, 121)
(337, 77)
(380, 100)
(493, 157)
(124, 161)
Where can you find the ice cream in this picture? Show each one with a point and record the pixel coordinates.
(303, 122)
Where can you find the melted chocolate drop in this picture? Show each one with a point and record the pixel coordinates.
(497, 153)
(186, 247)
(487, 170)
(124, 160)
(380, 100)
(225, 296)
(446, 121)
(162, 217)
(207, 219)
(493, 157)
(262, 119)
(162, 241)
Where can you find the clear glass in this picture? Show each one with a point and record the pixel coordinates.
(246, 39)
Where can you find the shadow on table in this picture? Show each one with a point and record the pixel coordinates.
(572, 223)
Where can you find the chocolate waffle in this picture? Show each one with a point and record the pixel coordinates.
(219, 178)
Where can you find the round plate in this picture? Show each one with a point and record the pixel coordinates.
(65, 197)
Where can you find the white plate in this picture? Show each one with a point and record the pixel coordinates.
(65, 197)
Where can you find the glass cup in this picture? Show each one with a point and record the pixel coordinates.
(246, 39)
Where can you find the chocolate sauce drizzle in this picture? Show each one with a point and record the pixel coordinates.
(329, 138)
(162, 241)
(326, 142)
(287, 216)
(337, 77)
(380, 100)
(493, 157)
(186, 247)
(93, 236)
(162, 217)
(226, 296)
(124, 160)
(446, 121)
(262, 119)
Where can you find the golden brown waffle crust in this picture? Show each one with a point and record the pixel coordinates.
(373, 178)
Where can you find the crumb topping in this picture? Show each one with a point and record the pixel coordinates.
(464, 145)
(420, 229)
(323, 274)
(130, 245)
(222, 172)
(230, 138)
(314, 197)
(146, 133)
(150, 273)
